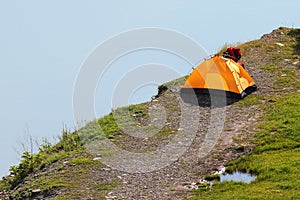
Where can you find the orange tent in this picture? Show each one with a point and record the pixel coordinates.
(219, 74)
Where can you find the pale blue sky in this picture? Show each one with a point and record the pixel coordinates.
(44, 43)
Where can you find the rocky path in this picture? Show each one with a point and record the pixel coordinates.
(175, 180)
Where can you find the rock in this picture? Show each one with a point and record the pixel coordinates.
(97, 157)
(202, 181)
(111, 196)
(191, 187)
(280, 44)
(36, 191)
(222, 170)
(283, 75)
(296, 63)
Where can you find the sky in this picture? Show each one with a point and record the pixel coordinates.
(43, 45)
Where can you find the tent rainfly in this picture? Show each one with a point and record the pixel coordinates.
(219, 75)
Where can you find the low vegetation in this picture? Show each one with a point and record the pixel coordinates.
(48, 154)
(68, 145)
(275, 160)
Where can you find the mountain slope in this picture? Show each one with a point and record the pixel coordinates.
(72, 169)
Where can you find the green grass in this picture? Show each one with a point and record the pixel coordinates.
(275, 160)
(245, 48)
(165, 131)
(212, 177)
(127, 119)
(120, 119)
(106, 186)
(178, 81)
(250, 100)
(68, 145)
(45, 184)
(82, 161)
(288, 79)
(271, 68)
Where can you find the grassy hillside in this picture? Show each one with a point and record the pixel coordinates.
(265, 141)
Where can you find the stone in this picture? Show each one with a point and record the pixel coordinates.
(296, 63)
(280, 44)
(36, 191)
(97, 157)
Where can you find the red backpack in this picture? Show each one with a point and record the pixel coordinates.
(233, 52)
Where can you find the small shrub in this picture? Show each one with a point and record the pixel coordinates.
(31, 162)
(27, 165)
(68, 141)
